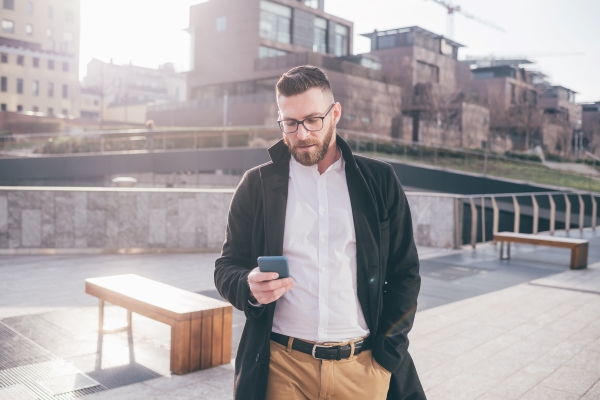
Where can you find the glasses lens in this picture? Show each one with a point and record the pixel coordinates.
(313, 124)
(288, 126)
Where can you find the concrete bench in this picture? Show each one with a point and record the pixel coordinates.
(579, 247)
(200, 325)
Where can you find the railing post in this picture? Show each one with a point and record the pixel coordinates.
(483, 220)
(473, 223)
(581, 212)
(496, 215)
(567, 213)
(594, 211)
(517, 214)
(536, 214)
(552, 214)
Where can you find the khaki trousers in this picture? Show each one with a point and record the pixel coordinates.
(296, 375)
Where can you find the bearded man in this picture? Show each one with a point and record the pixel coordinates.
(337, 327)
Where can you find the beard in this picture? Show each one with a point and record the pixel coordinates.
(314, 156)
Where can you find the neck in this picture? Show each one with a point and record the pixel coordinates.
(333, 154)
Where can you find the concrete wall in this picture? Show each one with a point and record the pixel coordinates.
(124, 219)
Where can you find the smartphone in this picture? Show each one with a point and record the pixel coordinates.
(277, 264)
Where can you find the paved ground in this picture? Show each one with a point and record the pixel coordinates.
(487, 329)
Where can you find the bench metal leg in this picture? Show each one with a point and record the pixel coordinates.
(103, 330)
(502, 251)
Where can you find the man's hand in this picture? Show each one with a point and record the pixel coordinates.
(266, 288)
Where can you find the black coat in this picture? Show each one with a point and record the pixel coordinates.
(388, 279)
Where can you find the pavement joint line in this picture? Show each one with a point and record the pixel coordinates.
(564, 288)
(30, 340)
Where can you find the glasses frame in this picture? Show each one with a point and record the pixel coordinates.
(298, 123)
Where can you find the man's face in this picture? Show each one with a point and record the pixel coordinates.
(309, 148)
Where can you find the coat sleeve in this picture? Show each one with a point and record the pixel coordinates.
(402, 281)
(235, 264)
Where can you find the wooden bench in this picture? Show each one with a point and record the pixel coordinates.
(200, 325)
(579, 247)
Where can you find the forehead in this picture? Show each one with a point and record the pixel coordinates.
(313, 101)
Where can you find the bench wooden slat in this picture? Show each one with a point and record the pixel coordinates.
(154, 297)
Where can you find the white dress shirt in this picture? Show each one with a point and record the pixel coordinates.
(320, 245)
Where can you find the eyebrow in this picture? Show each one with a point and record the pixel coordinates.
(307, 116)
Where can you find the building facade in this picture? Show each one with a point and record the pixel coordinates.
(241, 48)
(39, 57)
(426, 66)
(590, 126)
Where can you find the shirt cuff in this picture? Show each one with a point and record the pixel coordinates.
(257, 304)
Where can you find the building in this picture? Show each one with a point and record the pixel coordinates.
(240, 49)
(122, 87)
(91, 99)
(512, 98)
(590, 126)
(426, 66)
(39, 57)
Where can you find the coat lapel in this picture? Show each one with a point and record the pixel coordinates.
(366, 226)
(275, 180)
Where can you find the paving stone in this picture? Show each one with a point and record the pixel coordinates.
(516, 385)
(463, 387)
(545, 393)
(572, 380)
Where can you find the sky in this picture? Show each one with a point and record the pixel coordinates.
(560, 36)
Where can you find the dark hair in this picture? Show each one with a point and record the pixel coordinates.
(300, 79)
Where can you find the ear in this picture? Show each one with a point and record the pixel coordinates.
(337, 113)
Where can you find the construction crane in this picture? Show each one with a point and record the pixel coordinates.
(451, 9)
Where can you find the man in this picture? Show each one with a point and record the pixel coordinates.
(337, 328)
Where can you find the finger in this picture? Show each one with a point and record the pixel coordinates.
(262, 276)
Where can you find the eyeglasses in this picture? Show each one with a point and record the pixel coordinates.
(311, 124)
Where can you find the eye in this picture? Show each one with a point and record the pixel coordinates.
(311, 120)
(289, 123)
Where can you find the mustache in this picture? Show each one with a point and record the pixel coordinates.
(306, 142)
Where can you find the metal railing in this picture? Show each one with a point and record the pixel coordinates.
(516, 207)
(170, 139)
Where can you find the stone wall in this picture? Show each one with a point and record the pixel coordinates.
(146, 219)
(112, 218)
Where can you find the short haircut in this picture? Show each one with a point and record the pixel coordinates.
(301, 79)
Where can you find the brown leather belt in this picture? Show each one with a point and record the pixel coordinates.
(322, 352)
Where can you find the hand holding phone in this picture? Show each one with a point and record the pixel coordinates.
(270, 280)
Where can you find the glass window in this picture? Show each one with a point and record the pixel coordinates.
(65, 66)
(275, 22)
(9, 4)
(386, 41)
(19, 108)
(35, 88)
(36, 62)
(29, 29)
(221, 23)
(312, 3)
(320, 35)
(3, 107)
(341, 40)
(8, 26)
(50, 64)
(65, 112)
(4, 58)
(266, 52)
(427, 72)
(65, 91)
(29, 7)
(20, 60)
(49, 32)
(3, 84)
(35, 109)
(20, 86)
(513, 94)
(371, 64)
(50, 89)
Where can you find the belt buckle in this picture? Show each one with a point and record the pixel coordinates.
(314, 349)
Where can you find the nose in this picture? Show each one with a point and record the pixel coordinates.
(302, 133)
